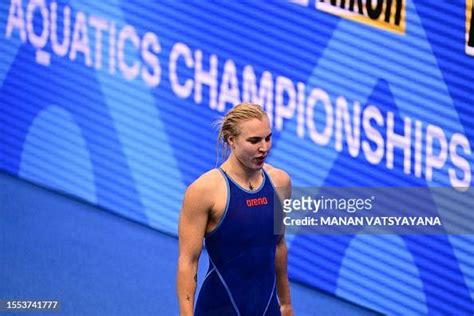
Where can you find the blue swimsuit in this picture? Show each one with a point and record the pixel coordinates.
(241, 278)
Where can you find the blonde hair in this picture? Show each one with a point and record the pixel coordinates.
(229, 124)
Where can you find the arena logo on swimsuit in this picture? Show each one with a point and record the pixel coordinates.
(470, 27)
(388, 15)
(257, 201)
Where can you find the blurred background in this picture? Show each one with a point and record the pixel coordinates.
(107, 112)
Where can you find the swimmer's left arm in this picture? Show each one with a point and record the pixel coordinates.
(283, 286)
(283, 181)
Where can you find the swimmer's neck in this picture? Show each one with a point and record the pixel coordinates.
(237, 168)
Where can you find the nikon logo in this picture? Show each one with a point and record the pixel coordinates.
(470, 27)
(385, 14)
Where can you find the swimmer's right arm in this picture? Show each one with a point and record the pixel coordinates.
(192, 227)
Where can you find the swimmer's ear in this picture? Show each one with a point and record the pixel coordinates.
(231, 141)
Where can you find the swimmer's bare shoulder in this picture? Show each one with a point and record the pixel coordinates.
(209, 185)
(280, 179)
(204, 200)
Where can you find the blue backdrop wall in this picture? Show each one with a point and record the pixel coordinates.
(113, 102)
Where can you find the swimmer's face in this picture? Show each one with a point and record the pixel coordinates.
(252, 145)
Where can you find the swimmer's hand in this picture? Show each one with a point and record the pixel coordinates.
(286, 310)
